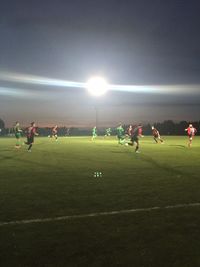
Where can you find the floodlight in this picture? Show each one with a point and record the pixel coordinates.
(97, 86)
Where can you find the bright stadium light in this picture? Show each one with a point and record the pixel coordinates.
(97, 86)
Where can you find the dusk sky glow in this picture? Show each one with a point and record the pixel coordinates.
(148, 51)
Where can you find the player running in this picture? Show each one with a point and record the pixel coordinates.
(191, 131)
(108, 132)
(55, 132)
(128, 135)
(31, 132)
(94, 133)
(120, 134)
(135, 135)
(129, 131)
(156, 135)
(18, 133)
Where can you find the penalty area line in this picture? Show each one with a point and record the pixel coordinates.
(97, 214)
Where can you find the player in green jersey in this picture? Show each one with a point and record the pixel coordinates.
(120, 134)
(108, 132)
(94, 133)
(18, 133)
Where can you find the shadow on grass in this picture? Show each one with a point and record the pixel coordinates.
(118, 152)
(162, 167)
(7, 150)
(6, 157)
(32, 162)
(180, 146)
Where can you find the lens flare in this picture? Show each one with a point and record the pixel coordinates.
(16, 92)
(96, 86)
(31, 79)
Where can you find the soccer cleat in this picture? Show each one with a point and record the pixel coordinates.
(29, 150)
(137, 151)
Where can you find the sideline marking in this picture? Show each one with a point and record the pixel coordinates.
(97, 214)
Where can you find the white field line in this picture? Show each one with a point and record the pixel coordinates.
(97, 214)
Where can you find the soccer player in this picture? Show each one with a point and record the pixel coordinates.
(135, 135)
(120, 134)
(108, 132)
(68, 132)
(128, 135)
(94, 133)
(55, 132)
(31, 132)
(129, 130)
(191, 131)
(156, 135)
(18, 132)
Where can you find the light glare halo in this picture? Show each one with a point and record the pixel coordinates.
(97, 86)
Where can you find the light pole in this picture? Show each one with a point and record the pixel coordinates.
(96, 113)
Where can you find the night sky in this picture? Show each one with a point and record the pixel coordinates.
(129, 42)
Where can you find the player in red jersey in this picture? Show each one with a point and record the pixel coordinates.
(156, 135)
(136, 133)
(31, 132)
(191, 131)
(129, 130)
(55, 132)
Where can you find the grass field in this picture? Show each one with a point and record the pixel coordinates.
(57, 179)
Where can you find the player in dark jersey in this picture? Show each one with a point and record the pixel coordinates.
(156, 135)
(128, 135)
(129, 131)
(136, 133)
(55, 132)
(31, 132)
(18, 133)
(191, 131)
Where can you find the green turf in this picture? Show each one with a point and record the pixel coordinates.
(57, 179)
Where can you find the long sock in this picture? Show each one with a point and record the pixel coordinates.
(17, 143)
(29, 146)
(137, 147)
